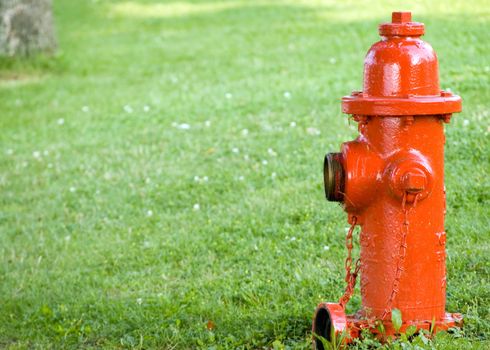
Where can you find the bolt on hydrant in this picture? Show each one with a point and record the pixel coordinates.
(390, 181)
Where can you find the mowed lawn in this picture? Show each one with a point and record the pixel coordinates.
(161, 177)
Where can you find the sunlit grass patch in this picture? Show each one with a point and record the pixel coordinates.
(171, 9)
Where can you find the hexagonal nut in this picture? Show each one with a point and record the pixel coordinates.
(414, 182)
(401, 17)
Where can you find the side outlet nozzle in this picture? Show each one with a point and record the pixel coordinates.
(333, 177)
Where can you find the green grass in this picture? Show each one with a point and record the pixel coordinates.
(84, 163)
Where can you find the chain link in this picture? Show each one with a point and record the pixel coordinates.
(350, 276)
(402, 253)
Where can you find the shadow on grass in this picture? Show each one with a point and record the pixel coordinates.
(25, 70)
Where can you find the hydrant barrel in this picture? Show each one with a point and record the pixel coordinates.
(418, 148)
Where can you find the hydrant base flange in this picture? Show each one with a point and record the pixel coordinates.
(331, 323)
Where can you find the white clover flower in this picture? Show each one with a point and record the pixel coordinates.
(149, 213)
(207, 123)
(241, 178)
(196, 178)
(287, 95)
(273, 175)
(326, 247)
(85, 109)
(271, 152)
(184, 126)
(10, 151)
(146, 108)
(196, 206)
(246, 157)
(265, 162)
(293, 239)
(205, 179)
(61, 121)
(36, 154)
(128, 109)
(228, 95)
(313, 131)
(332, 60)
(292, 124)
(46, 152)
(139, 301)
(466, 122)
(245, 132)
(235, 150)
(72, 189)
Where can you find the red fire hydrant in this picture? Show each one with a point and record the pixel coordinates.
(390, 181)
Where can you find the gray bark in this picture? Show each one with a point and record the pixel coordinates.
(26, 27)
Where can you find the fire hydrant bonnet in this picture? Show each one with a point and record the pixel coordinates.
(401, 75)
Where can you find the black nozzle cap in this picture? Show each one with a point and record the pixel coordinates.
(333, 177)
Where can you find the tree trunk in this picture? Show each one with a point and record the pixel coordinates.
(26, 27)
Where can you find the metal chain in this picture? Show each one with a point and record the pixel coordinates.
(402, 253)
(350, 276)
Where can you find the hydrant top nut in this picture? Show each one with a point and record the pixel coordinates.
(401, 25)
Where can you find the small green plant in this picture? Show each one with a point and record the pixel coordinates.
(396, 319)
(411, 339)
(336, 342)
